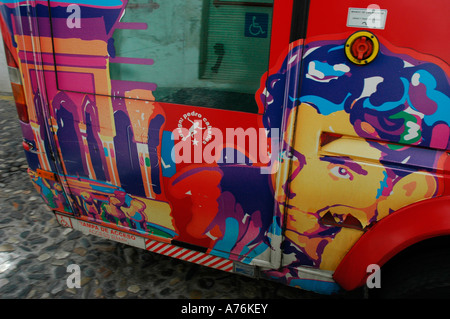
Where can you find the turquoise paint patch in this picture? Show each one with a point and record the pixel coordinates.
(324, 106)
(254, 253)
(326, 69)
(321, 287)
(168, 166)
(442, 100)
(339, 47)
(387, 106)
(275, 229)
(224, 246)
(383, 185)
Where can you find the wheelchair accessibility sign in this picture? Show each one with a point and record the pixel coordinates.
(256, 25)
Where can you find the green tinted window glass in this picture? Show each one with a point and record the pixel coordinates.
(209, 53)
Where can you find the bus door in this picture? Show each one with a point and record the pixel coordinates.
(164, 120)
(368, 140)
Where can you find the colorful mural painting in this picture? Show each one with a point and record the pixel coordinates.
(343, 145)
(116, 146)
(359, 138)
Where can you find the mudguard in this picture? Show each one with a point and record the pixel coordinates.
(407, 226)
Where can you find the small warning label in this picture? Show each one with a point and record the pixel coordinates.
(108, 233)
(369, 18)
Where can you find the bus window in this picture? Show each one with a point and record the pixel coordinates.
(209, 53)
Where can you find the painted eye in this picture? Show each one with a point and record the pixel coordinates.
(341, 172)
(289, 153)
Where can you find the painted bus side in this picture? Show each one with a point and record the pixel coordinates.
(297, 140)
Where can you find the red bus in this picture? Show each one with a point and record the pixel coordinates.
(300, 141)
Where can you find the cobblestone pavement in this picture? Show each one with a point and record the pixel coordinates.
(35, 251)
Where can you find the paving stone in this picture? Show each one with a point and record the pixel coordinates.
(44, 257)
(62, 254)
(60, 272)
(195, 294)
(80, 251)
(134, 289)
(121, 294)
(7, 248)
(98, 292)
(3, 282)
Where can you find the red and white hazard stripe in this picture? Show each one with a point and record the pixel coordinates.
(189, 255)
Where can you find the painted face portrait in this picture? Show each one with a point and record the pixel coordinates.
(342, 181)
(368, 140)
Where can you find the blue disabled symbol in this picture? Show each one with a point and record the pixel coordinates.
(256, 25)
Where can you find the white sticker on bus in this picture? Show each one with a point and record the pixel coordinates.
(370, 18)
(109, 233)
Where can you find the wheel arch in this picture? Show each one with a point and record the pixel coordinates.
(393, 234)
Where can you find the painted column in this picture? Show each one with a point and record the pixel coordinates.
(140, 107)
